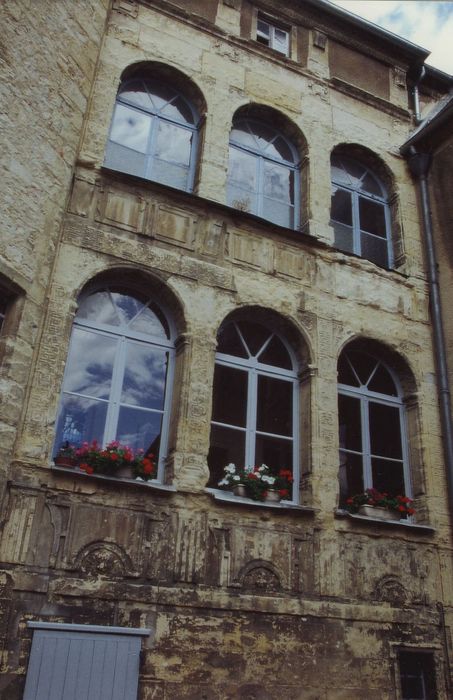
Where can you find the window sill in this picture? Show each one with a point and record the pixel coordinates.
(287, 506)
(404, 524)
(154, 485)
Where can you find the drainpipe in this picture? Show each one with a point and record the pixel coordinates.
(419, 164)
(416, 95)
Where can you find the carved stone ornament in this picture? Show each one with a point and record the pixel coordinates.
(391, 590)
(260, 577)
(103, 559)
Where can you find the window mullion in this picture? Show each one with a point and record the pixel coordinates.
(111, 423)
(250, 439)
(150, 151)
(260, 186)
(366, 444)
(356, 242)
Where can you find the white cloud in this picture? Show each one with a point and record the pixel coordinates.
(426, 23)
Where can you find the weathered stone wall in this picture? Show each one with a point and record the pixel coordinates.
(48, 54)
(243, 601)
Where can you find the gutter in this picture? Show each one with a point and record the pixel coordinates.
(419, 164)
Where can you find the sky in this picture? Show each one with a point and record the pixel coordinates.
(428, 23)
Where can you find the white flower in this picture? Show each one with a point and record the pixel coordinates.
(230, 468)
(268, 479)
(263, 468)
(223, 482)
(236, 478)
(248, 468)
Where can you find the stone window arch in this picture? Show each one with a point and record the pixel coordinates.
(256, 397)
(364, 207)
(373, 424)
(155, 127)
(119, 372)
(264, 173)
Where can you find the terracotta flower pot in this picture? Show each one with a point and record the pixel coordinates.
(239, 490)
(379, 513)
(273, 496)
(124, 473)
(64, 461)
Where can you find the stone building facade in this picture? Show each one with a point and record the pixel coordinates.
(211, 243)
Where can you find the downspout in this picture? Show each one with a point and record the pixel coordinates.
(416, 94)
(419, 164)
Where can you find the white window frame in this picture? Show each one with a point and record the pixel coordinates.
(254, 369)
(260, 158)
(156, 118)
(119, 366)
(358, 193)
(365, 396)
(269, 38)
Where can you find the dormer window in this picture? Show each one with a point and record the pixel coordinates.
(270, 35)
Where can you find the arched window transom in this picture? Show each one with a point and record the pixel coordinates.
(360, 213)
(263, 175)
(373, 442)
(153, 133)
(255, 400)
(117, 374)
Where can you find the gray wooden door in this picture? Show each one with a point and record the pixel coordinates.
(82, 665)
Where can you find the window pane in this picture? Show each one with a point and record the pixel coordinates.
(240, 133)
(351, 475)
(345, 372)
(282, 149)
(80, 420)
(382, 382)
(229, 396)
(277, 454)
(388, 476)
(274, 406)
(263, 28)
(350, 423)
(173, 143)
(139, 429)
(99, 308)
(278, 212)
(374, 249)
(136, 93)
(179, 110)
(372, 217)
(278, 182)
(151, 322)
(280, 42)
(341, 207)
(363, 364)
(90, 364)
(130, 128)
(417, 673)
(230, 342)
(255, 335)
(385, 432)
(144, 376)
(242, 170)
(226, 445)
(125, 159)
(370, 184)
(170, 174)
(243, 200)
(276, 354)
(343, 237)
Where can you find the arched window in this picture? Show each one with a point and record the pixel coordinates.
(255, 401)
(153, 133)
(118, 374)
(373, 442)
(263, 175)
(360, 212)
